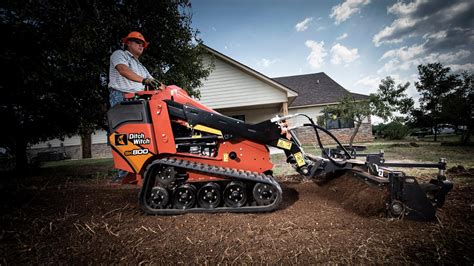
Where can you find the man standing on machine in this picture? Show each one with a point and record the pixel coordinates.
(127, 74)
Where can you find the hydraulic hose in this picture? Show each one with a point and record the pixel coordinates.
(316, 127)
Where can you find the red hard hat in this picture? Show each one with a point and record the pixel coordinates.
(135, 35)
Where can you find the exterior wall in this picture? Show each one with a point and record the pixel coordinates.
(101, 150)
(308, 137)
(75, 152)
(253, 115)
(99, 136)
(72, 146)
(312, 112)
(227, 87)
(57, 143)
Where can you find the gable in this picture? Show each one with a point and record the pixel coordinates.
(228, 86)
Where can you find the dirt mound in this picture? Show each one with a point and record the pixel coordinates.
(355, 195)
(460, 171)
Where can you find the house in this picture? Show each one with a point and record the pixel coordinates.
(315, 92)
(236, 90)
(239, 91)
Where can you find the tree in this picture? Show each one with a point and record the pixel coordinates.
(57, 55)
(387, 100)
(457, 107)
(435, 83)
(350, 108)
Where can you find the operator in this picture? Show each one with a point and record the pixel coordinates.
(126, 73)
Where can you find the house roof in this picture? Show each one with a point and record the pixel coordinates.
(291, 93)
(316, 89)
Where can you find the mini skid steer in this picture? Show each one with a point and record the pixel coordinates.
(188, 158)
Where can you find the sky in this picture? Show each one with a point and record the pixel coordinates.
(356, 42)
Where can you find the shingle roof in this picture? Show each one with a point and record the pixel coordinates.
(317, 88)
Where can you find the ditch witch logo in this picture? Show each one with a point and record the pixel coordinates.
(135, 138)
(121, 139)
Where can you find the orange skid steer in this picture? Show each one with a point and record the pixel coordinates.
(189, 158)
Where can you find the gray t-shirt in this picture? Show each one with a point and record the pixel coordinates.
(121, 83)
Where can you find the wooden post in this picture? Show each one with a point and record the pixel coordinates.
(86, 143)
(284, 108)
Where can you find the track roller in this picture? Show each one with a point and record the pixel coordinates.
(264, 194)
(235, 194)
(165, 175)
(159, 197)
(209, 196)
(184, 196)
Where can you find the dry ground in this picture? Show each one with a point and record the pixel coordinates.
(76, 221)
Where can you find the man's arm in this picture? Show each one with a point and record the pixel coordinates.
(128, 73)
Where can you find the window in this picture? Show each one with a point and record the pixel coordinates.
(239, 117)
(336, 123)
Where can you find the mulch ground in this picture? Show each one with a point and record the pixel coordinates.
(90, 221)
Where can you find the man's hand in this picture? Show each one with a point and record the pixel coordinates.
(151, 82)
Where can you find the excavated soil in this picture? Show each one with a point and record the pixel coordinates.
(355, 195)
(341, 221)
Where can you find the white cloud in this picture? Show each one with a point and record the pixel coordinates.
(320, 28)
(460, 68)
(342, 37)
(444, 28)
(436, 35)
(341, 54)
(447, 22)
(405, 53)
(395, 65)
(318, 52)
(407, 57)
(369, 82)
(266, 62)
(303, 25)
(343, 11)
(398, 25)
(452, 56)
(401, 8)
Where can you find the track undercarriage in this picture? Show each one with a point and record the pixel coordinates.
(166, 189)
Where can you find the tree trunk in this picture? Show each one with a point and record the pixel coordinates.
(435, 133)
(21, 158)
(86, 143)
(354, 133)
(466, 135)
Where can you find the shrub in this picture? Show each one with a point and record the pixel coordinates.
(378, 130)
(396, 130)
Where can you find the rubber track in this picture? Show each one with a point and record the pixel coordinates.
(223, 172)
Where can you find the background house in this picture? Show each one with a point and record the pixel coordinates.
(237, 90)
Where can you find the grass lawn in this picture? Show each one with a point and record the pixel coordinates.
(78, 169)
(425, 151)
